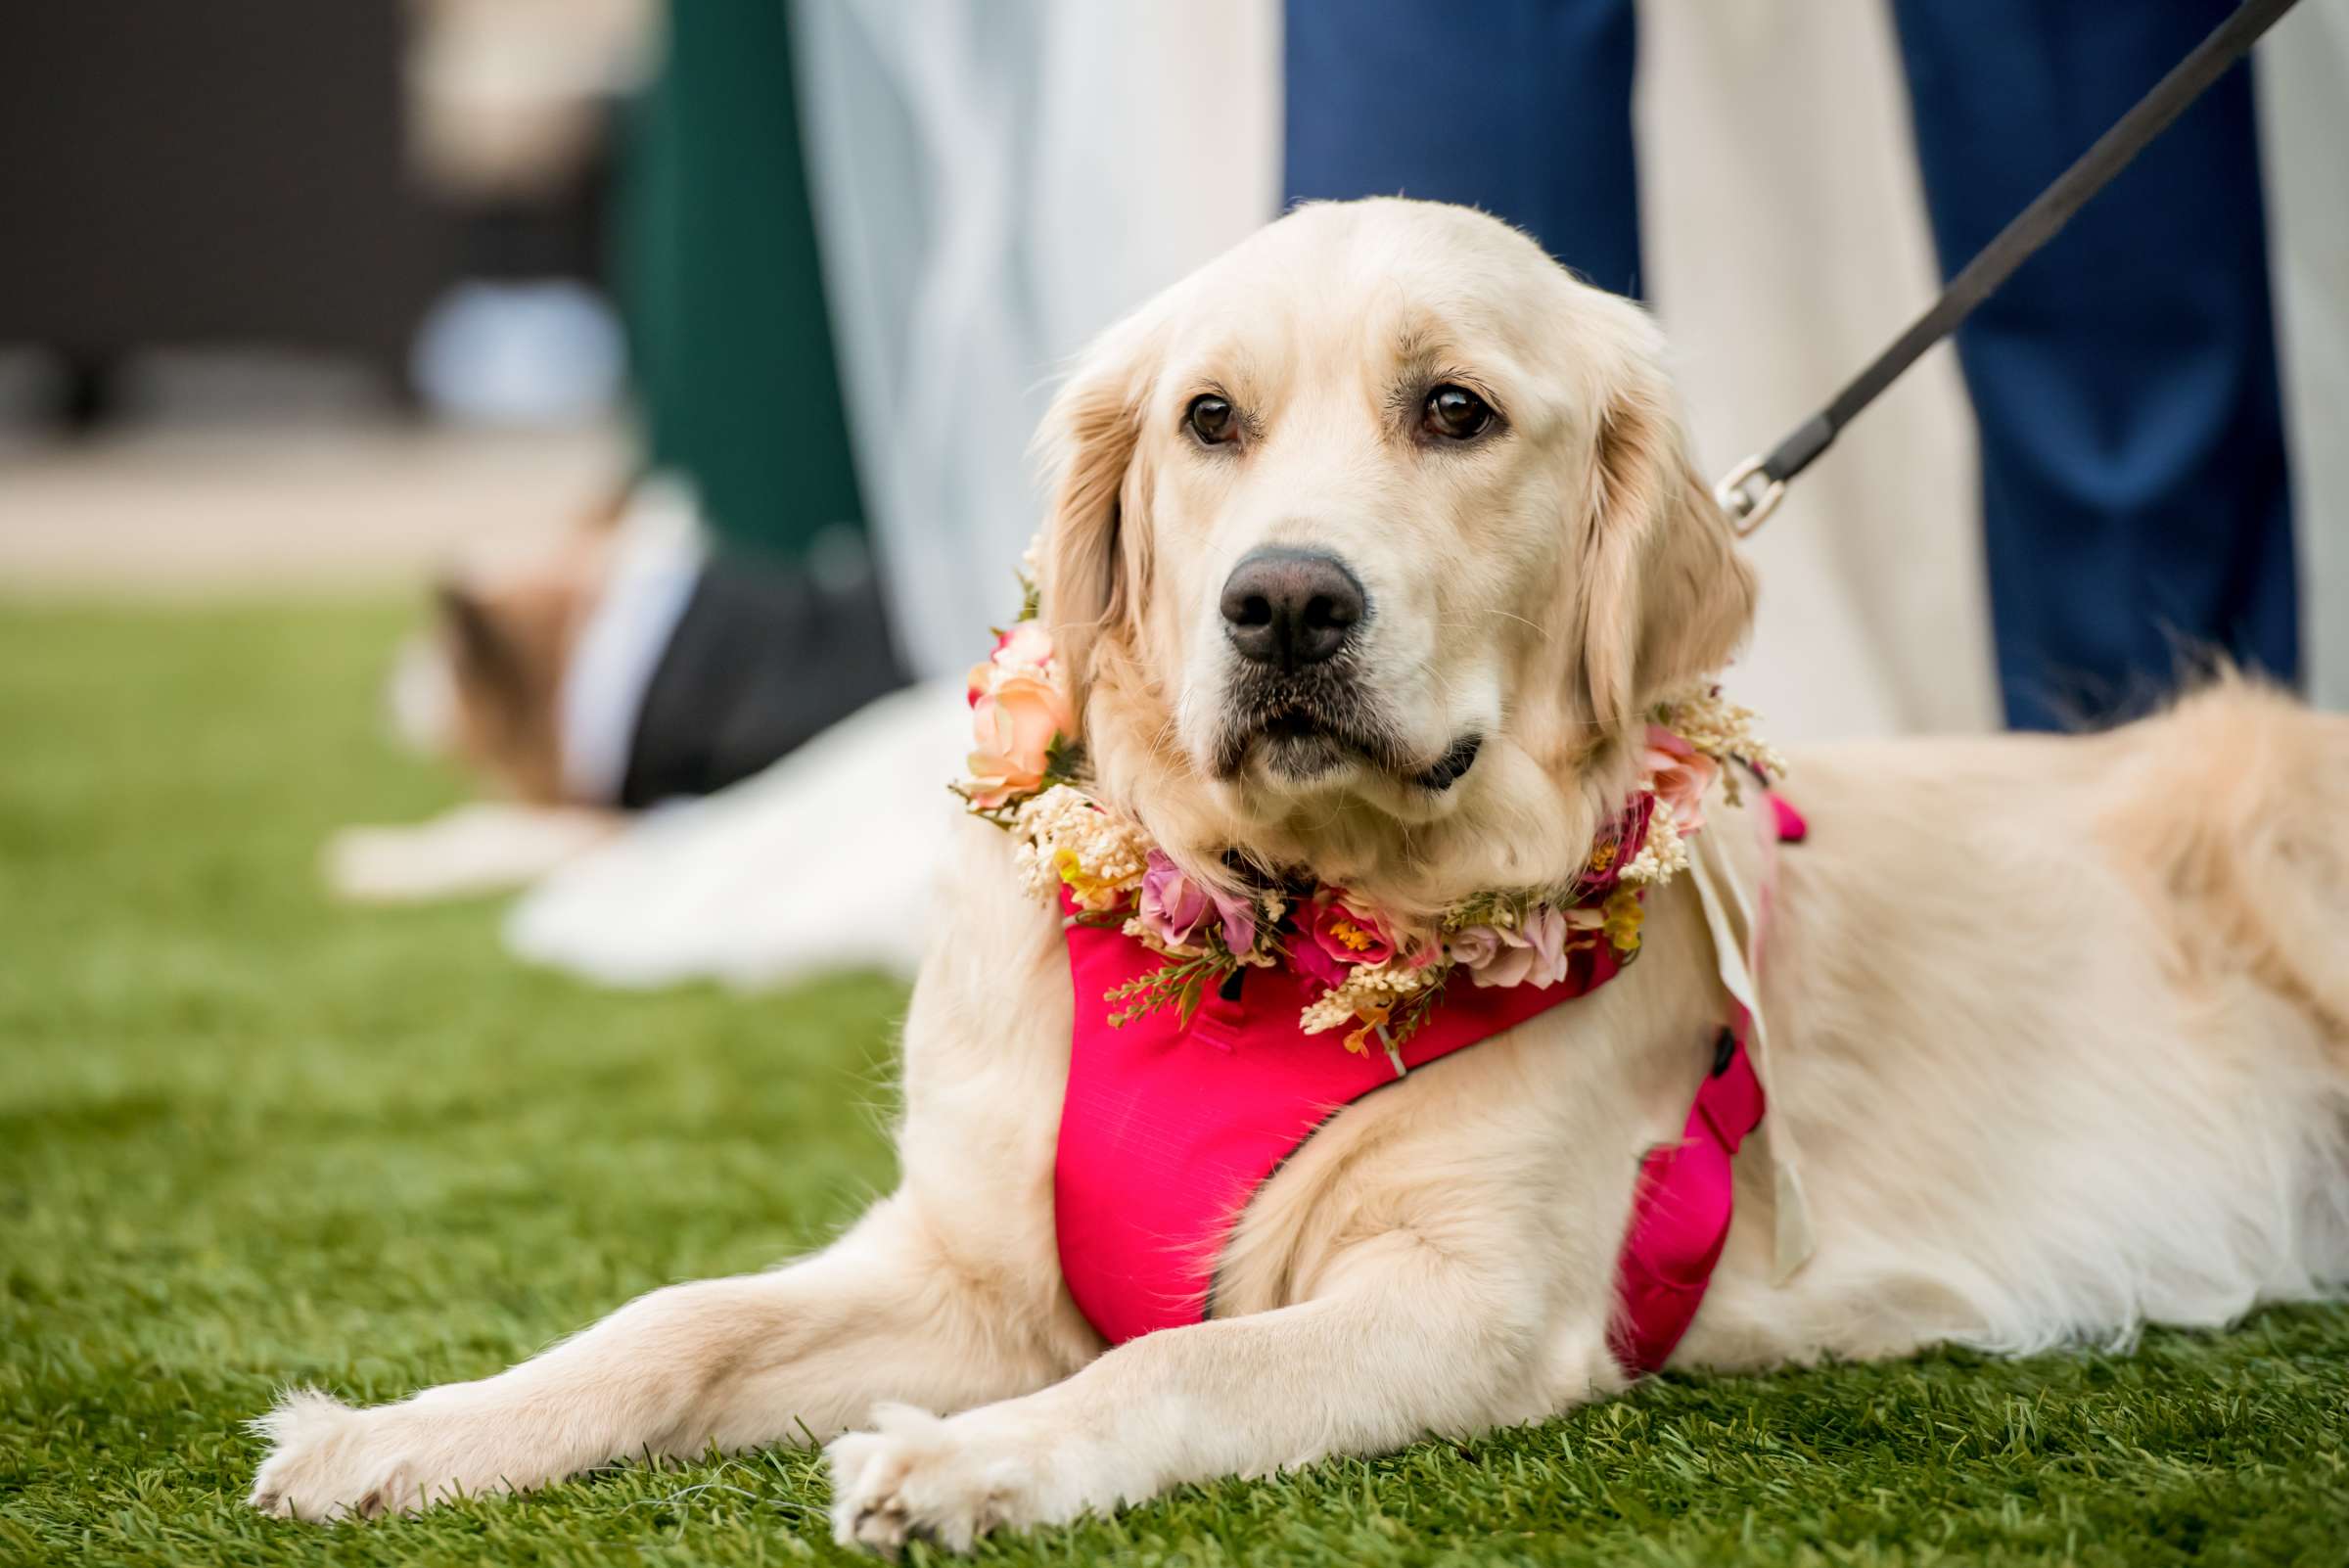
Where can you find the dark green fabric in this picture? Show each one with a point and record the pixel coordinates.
(722, 287)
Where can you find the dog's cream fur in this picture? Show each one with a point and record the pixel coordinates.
(2062, 1025)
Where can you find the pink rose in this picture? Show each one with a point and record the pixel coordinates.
(1016, 721)
(1472, 947)
(1348, 933)
(1176, 906)
(1025, 646)
(1173, 905)
(1679, 774)
(1618, 843)
(1533, 954)
(1239, 921)
(1317, 966)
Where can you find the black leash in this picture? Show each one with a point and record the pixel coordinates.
(1754, 488)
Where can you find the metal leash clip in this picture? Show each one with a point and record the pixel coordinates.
(1749, 505)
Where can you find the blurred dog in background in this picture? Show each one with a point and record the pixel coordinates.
(619, 665)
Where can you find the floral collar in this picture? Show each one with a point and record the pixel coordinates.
(1026, 776)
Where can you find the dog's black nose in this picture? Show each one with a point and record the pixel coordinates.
(1291, 607)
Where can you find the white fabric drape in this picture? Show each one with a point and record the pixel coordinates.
(995, 184)
(2304, 122)
(1786, 242)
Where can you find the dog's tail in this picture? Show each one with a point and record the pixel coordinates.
(2248, 808)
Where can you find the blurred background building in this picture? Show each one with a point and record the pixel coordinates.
(294, 294)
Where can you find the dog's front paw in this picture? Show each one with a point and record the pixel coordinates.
(329, 1461)
(949, 1482)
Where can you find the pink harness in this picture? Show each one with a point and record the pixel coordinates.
(1167, 1130)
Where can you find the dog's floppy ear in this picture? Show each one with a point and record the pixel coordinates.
(1095, 558)
(1664, 597)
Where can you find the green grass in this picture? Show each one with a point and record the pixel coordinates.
(248, 1137)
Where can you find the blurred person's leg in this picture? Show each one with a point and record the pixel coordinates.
(731, 342)
(2135, 504)
(1522, 107)
(694, 675)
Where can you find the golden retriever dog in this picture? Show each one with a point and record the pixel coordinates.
(2061, 1026)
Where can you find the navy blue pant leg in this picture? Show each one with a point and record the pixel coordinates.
(1520, 107)
(2125, 381)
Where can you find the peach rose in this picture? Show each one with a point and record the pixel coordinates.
(1015, 718)
(1679, 774)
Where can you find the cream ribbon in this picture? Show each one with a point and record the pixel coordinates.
(1733, 952)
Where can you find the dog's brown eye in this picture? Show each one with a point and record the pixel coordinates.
(1212, 420)
(1455, 413)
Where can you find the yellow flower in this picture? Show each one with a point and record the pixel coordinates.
(1624, 915)
(1093, 891)
(1373, 1019)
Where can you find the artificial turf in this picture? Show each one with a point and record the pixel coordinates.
(249, 1137)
